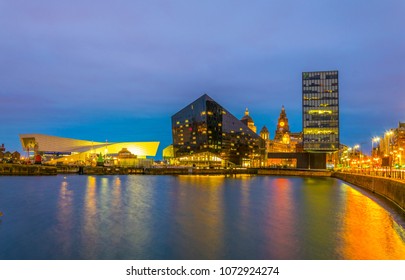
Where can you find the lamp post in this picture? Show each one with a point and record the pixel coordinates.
(349, 157)
(389, 150)
(357, 147)
(374, 140)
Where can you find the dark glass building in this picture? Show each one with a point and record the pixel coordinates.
(320, 111)
(205, 134)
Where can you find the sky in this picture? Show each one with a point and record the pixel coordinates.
(118, 70)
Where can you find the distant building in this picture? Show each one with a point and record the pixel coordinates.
(126, 158)
(264, 133)
(205, 134)
(392, 145)
(71, 151)
(7, 156)
(284, 142)
(248, 121)
(168, 153)
(283, 128)
(399, 145)
(400, 135)
(15, 156)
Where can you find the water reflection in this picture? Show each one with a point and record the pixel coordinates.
(65, 218)
(281, 232)
(90, 230)
(197, 217)
(369, 231)
(198, 214)
(137, 215)
(319, 223)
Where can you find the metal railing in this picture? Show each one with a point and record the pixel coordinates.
(398, 174)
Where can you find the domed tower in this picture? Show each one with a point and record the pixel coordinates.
(248, 121)
(283, 129)
(264, 133)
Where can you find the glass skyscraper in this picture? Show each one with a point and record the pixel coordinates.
(320, 111)
(206, 134)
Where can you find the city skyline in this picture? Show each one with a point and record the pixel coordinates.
(103, 71)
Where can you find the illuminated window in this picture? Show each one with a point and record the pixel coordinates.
(319, 112)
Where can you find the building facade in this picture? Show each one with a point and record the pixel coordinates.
(320, 111)
(392, 146)
(206, 135)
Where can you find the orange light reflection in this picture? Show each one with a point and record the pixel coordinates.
(369, 231)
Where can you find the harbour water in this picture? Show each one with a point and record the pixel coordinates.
(195, 217)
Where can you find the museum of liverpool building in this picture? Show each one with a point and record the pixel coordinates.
(206, 135)
(54, 150)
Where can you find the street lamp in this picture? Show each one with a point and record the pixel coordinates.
(357, 147)
(374, 140)
(349, 157)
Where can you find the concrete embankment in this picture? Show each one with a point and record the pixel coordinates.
(294, 172)
(194, 171)
(22, 170)
(100, 170)
(392, 189)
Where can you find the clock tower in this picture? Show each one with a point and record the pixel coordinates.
(283, 129)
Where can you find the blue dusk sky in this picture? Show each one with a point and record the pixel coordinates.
(118, 70)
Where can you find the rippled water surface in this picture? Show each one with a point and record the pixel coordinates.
(195, 217)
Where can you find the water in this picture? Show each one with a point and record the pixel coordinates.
(195, 217)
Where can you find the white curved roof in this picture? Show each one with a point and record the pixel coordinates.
(48, 143)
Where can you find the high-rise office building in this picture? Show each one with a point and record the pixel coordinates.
(320, 111)
(206, 134)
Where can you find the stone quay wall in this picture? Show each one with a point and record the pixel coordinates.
(26, 170)
(391, 189)
(294, 172)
